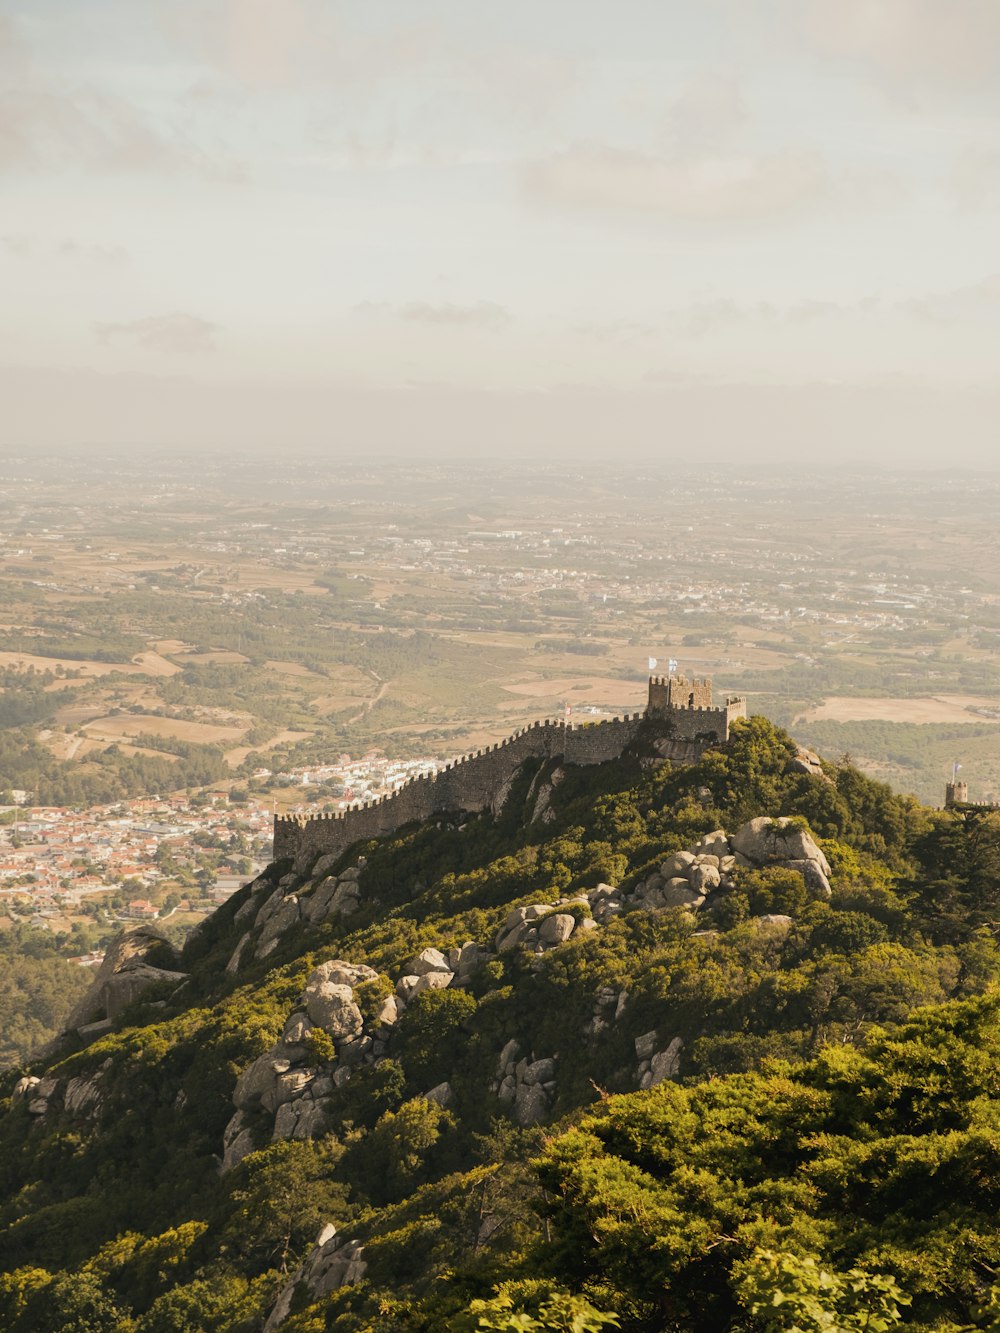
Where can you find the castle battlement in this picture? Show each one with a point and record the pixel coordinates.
(481, 780)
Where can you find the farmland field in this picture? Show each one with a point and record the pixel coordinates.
(241, 623)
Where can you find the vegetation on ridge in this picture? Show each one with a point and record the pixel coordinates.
(828, 1157)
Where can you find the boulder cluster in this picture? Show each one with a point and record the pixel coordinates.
(271, 911)
(333, 1262)
(542, 926)
(434, 970)
(692, 879)
(526, 1087)
(81, 1096)
(290, 1083)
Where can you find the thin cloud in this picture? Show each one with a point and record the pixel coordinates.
(34, 247)
(481, 315)
(178, 334)
(978, 300)
(597, 177)
(46, 125)
(910, 45)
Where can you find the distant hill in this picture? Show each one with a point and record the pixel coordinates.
(655, 1047)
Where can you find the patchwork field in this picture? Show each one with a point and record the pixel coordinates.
(938, 708)
(249, 620)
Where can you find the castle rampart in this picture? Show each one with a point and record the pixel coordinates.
(480, 781)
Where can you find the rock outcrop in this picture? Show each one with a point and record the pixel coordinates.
(334, 1261)
(128, 970)
(693, 878)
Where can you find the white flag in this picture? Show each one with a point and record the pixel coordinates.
(652, 664)
(671, 666)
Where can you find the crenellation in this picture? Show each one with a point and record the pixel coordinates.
(478, 781)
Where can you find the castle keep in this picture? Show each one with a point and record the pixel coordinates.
(679, 715)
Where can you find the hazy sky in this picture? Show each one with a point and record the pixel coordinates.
(753, 227)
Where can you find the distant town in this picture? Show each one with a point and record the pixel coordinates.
(170, 858)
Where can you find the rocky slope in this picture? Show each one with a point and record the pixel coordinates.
(322, 1115)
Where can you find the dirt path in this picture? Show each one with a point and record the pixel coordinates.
(379, 694)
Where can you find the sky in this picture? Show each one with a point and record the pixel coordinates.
(730, 229)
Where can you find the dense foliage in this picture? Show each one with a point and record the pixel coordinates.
(829, 1156)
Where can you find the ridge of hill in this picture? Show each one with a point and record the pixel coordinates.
(710, 1046)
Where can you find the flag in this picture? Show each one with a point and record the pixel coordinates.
(671, 666)
(652, 664)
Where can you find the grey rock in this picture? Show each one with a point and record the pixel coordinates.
(301, 1119)
(351, 874)
(24, 1088)
(508, 1090)
(332, 1263)
(316, 907)
(124, 975)
(705, 877)
(297, 1028)
(341, 973)
(330, 1005)
(248, 910)
(679, 893)
(601, 891)
(645, 1045)
(540, 1071)
(766, 841)
(405, 988)
(282, 920)
(815, 880)
(557, 929)
(666, 1064)
(270, 905)
(677, 864)
(286, 1088)
(82, 1094)
(432, 981)
(258, 1079)
(470, 956)
(774, 919)
(441, 1095)
(531, 1105)
(323, 866)
(512, 938)
(389, 1012)
(429, 960)
(242, 1146)
(233, 966)
(508, 1055)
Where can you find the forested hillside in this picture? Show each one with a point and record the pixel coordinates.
(583, 1064)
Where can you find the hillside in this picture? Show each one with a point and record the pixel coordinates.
(694, 1047)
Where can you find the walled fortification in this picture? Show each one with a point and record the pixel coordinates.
(481, 781)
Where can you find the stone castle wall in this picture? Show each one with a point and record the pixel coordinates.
(481, 781)
(477, 782)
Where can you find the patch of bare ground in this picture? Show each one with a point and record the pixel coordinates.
(938, 708)
(132, 724)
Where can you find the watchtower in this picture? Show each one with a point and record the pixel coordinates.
(669, 692)
(956, 793)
